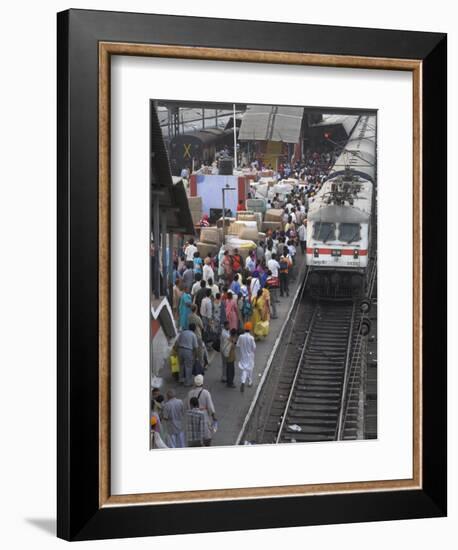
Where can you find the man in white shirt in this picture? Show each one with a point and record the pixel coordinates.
(190, 250)
(214, 288)
(255, 285)
(273, 265)
(206, 309)
(268, 255)
(224, 343)
(196, 286)
(247, 347)
(207, 270)
(302, 234)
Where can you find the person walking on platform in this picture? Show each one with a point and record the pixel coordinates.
(272, 285)
(224, 343)
(247, 347)
(232, 311)
(206, 312)
(184, 308)
(302, 234)
(176, 296)
(187, 346)
(206, 405)
(195, 422)
(274, 267)
(283, 273)
(172, 415)
(230, 359)
(259, 319)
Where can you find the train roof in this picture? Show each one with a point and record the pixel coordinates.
(359, 212)
(346, 121)
(360, 151)
(205, 135)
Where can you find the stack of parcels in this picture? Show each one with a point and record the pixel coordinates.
(250, 216)
(195, 206)
(210, 240)
(272, 219)
(247, 229)
(228, 221)
(256, 205)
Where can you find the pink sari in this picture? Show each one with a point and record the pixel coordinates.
(232, 314)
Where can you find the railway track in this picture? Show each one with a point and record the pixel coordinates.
(312, 411)
(319, 382)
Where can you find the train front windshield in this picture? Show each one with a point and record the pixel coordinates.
(349, 232)
(324, 231)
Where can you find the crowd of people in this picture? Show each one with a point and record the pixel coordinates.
(224, 302)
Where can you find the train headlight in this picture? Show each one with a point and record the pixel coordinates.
(356, 254)
(316, 252)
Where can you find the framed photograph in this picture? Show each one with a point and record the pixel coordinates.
(251, 332)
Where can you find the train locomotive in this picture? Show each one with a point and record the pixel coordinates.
(193, 148)
(340, 219)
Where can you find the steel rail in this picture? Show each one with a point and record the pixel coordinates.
(298, 369)
(346, 377)
(296, 302)
(359, 341)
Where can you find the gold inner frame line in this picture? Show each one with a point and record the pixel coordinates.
(106, 50)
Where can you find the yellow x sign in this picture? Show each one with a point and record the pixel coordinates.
(187, 150)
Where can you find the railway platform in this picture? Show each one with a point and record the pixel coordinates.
(231, 405)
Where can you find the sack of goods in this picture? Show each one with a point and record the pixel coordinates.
(246, 216)
(249, 233)
(210, 235)
(235, 228)
(174, 363)
(266, 226)
(205, 248)
(242, 245)
(273, 215)
(227, 221)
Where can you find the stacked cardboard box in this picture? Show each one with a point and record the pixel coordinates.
(273, 215)
(249, 233)
(205, 248)
(256, 205)
(250, 216)
(228, 221)
(210, 235)
(266, 226)
(195, 206)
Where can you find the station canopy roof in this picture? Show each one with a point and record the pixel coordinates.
(171, 191)
(271, 123)
(346, 121)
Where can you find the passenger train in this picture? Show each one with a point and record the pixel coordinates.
(340, 219)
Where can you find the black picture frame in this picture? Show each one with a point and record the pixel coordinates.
(79, 515)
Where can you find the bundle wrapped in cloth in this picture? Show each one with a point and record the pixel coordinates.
(205, 248)
(273, 215)
(243, 246)
(210, 235)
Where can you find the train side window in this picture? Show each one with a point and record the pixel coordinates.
(349, 232)
(323, 231)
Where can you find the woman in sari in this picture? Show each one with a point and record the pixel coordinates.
(226, 263)
(232, 311)
(177, 292)
(260, 319)
(184, 309)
